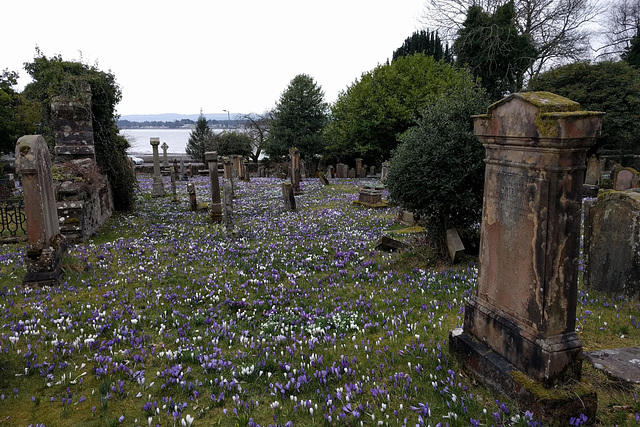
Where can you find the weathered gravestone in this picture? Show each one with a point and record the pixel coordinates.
(341, 170)
(454, 245)
(295, 170)
(211, 157)
(594, 171)
(384, 171)
(625, 179)
(352, 173)
(165, 160)
(519, 327)
(323, 179)
(173, 186)
(228, 174)
(228, 208)
(157, 188)
(288, 197)
(330, 172)
(371, 197)
(193, 202)
(45, 245)
(82, 192)
(245, 170)
(612, 244)
(183, 171)
(358, 170)
(73, 124)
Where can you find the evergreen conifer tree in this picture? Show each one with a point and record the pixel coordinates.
(201, 140)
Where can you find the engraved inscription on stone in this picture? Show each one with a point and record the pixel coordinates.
(512, 196)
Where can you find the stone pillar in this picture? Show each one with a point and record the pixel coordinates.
(157, 190)
(165, 160)
(183, 171)
(45, 243)
(173, 186)
(522, 316)
(288, 196)
(211, 157)
(358, 168)
(193, 202)
(228, 174)
(73, 123)
(237, 165)
(228, 207)
(295, 169)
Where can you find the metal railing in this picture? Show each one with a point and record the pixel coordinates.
(13, 221)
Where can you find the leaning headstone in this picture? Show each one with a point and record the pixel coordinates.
(157, 189)
(165, 159)
(594, 171)
(384, 172)
(387, 243)
(193, 202)
(228, 207)
(211, 157)
(454, 245)
(288, 196)
(323, 179)
(519, 328)
(612, 244)
(295, 169)
(625, 179)
(45, 243)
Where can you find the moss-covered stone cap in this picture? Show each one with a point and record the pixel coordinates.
(546, 102)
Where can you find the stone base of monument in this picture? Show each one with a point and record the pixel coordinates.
(43, 265)
(554, 405)
(371, 197)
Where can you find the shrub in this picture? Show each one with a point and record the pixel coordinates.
(438, 169)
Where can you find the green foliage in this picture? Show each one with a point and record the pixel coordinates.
(18, 116)
(230, 143)
(491, 47)
(632, 55)
(438, 169)
(54, 77)
(298, 119)
(426, 43)
(201, 140)
(368, 117)
(612, 87)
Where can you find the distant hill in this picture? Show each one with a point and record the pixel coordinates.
(170, 117)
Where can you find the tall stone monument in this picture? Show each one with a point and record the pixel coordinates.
(521, 319)
(73, 123)
(45, 245)
(157, 189)
(211, 157)
(228, 174)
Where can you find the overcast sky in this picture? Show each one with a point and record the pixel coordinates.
(179, 57)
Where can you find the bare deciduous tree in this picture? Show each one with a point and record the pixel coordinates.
(257, 127)
(558, 28)
(620, 23)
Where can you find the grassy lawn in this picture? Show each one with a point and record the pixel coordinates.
(162, 319)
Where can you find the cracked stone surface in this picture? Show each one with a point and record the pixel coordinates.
(621, 363)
